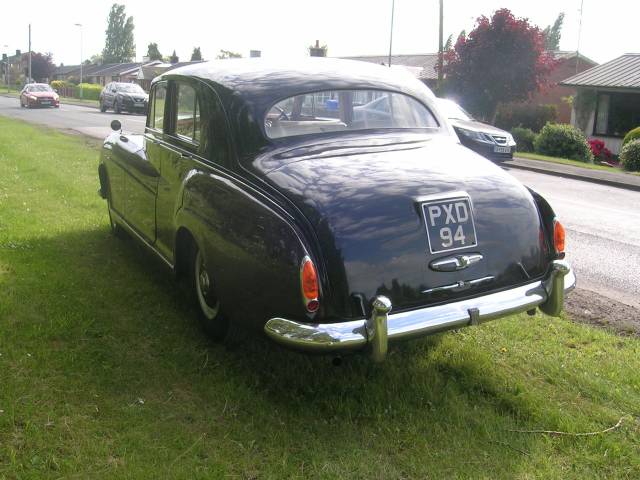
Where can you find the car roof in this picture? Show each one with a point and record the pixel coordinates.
(262, 82)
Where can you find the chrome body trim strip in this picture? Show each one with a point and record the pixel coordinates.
(124, 224)
(358, 334)
(460, 285)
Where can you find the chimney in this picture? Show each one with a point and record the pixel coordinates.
(145, 59)
(18, 53)
(317, 50)
(255, 53)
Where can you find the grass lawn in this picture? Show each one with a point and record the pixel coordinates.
(105, 374)
(565, 161)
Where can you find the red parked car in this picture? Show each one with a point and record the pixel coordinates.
(39, 95)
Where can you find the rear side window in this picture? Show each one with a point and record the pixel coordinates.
(187, 119)
(156, 111)
(346, 110)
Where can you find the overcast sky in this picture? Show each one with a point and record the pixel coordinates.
(287, 27)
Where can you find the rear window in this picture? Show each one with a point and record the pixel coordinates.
(346, 110)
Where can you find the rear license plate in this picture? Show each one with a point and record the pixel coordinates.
(449, 224)
(45, 102)
(502, 149)
(139, 104)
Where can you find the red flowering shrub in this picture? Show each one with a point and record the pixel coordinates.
(600, 152)
(503, 59)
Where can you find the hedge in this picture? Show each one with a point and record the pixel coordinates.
(630, 156)
(525, 115)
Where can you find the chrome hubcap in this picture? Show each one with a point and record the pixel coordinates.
(206, 298)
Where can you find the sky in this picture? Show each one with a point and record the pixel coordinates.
(285, 28)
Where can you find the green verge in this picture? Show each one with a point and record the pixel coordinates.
(565, 161)
(105, 374)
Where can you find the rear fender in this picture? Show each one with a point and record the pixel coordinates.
(253, 251)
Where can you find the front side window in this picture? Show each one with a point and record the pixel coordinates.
(187, 113)
(346, 110)
(156, 112)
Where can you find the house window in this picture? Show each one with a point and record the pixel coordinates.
(617, 113)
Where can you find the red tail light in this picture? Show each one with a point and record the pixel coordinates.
(309, 285)
(558, 237)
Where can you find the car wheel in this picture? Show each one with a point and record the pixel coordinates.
(202, 287)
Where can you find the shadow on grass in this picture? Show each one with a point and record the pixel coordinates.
(109, 319)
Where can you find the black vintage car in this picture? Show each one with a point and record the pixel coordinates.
(295, 204)
(123, 97)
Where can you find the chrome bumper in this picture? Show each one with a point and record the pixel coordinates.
(376, 331)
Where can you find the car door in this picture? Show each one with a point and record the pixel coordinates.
(187, 149)
(143, 168)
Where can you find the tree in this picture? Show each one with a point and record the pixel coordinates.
(94, 59)
(503, 59)
(196, 54)
(119, 45)
(227, 54)
(153, 53)
(552, 34)
(42, 66)
(174, 58)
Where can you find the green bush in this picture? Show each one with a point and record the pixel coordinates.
(563, 141)
(631, 135)
(59, 84)
(525, 115)
(630, 156)
(524, 138)
(90, 91)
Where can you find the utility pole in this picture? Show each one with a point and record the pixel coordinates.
(80, 25)
(29, 81)
(440, 47)
(393, 4)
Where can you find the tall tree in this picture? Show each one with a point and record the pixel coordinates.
(153, 53)
(41, 66)
(119, 45)
(552, 34)
(503, 59)
(196, 54)
(227, 54)
(174, 58)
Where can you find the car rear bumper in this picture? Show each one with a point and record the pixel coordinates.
(375, 332)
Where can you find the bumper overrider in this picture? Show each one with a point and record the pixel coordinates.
(382, 326)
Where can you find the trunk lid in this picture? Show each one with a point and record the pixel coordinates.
(370, 206)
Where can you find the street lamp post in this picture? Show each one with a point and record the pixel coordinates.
(7, 75)
(80, 26)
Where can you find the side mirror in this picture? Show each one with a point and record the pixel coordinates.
(116, 126)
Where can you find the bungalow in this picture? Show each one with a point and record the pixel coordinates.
(607, 103)
(147, 72)
(421, 65)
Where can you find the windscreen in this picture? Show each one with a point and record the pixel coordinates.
(452, 110)
(39, 88)
(346, 110)
(130, 87)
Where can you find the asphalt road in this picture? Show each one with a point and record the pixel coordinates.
(603, 232)
(86, 120)
(602, 223)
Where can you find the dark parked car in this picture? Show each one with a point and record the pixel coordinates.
(487, 140)
(285, 212)
(124, 97)
(39, 95)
